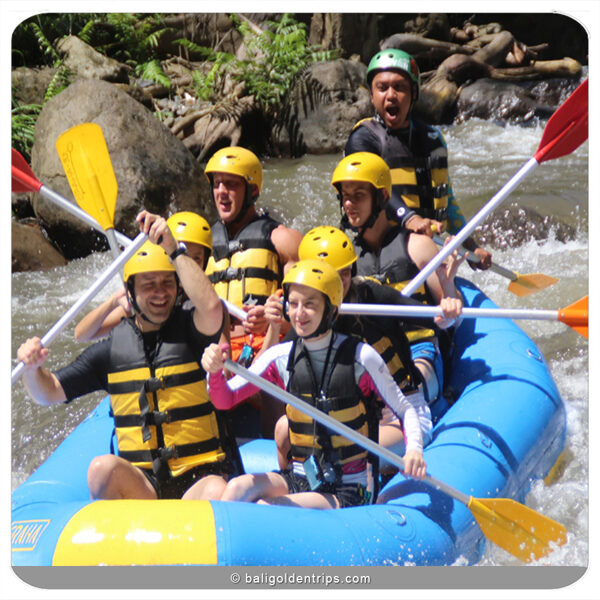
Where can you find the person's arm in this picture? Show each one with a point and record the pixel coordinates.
(455, 222)
(274, 316)
(422, 250)
(208, 318)
(417, 425)
(226, 394)
(102, 319)
(286, 242)
(378, 379)
(42, 385)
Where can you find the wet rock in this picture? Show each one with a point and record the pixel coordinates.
(515, 225)
(31, 251)
(153, 168)
(491, 99)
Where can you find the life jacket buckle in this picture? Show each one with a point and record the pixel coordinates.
(232, 273)
(161, 417)
(154, 384)
(167, 453)
(234, 246)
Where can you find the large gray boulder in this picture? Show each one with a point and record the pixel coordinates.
(154, 170)
(82, 60)
(323, 106)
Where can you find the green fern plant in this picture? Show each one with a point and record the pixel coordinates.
(207, 83)
(278, 54)
(23, 119)
(153, 71)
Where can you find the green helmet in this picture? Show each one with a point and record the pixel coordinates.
(393, 59)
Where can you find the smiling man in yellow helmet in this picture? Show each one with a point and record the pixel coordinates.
(251, 253)
(168, 432)
(187, 228)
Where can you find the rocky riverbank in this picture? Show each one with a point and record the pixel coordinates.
(510, 69)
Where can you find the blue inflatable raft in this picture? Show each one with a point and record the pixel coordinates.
(506, 429)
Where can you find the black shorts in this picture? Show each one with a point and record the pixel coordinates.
(173, 488)
(353, 494)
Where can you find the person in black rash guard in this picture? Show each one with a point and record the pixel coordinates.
(171, 440)
(422, 199)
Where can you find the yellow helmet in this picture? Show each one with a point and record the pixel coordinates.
(318, 275)
(363, 166)
(150, 257)
(329, 244)
(188, 226)
(237, 161)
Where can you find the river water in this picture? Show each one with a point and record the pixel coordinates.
(483, 156)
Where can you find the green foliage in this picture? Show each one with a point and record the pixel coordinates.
(130, 38)
(153, 71)
(23, 118)
(278, 54)
(61, 80)
(220, 63)
(278, 58)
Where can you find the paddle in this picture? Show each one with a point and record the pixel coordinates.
(518, 529)
(106, 276)
(84, 155)
(575, 315)
(520, 285)
(565, 131)
(24, 180)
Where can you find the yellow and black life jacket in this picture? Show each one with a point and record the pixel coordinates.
(341, 398)
(246, 269)
(163, 415)
(392, 266)
(386, 334)
(419, 168)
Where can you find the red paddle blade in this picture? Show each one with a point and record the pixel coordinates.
(23, 178)
(567, 128)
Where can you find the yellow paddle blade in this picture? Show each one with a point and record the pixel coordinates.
(576, 316)
(84, 155)
(516, 528)
(524, 285)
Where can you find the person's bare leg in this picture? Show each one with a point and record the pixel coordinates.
(210, 487)
(391, 437)
(111, 477)
(304, 500)
(432, 384)
(282, 441)
(252, 486)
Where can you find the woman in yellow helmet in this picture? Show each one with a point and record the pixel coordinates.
(338, 374)
(187, 228)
